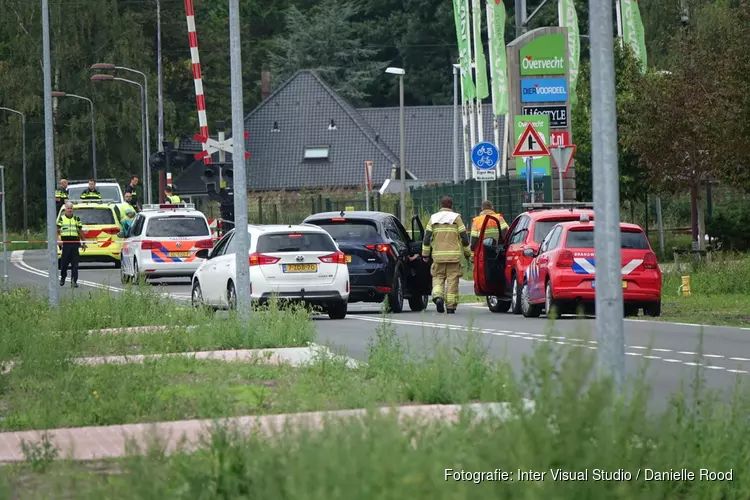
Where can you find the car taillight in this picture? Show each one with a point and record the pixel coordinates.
(566, 259)
(204, 244)
(649, 261)
(150, 245)
(334, 258)
(380, 247)
(258, 259)
(111, 230)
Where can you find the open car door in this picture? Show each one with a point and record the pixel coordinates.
(422, 277)
(489, 265)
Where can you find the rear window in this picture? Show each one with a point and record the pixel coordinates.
(95, 216)
(177, 226)
(107, 192)
(295, 242)
(359, 231)
(630, 240)
(543, 227)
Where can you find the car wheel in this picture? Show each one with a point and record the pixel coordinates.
(653, 309)
(515, 296)
(496, 305)
(396, 297)
(137, 277)
(196, 296)
(231, 297)
(549, 304)
(338, 311)
(630, 310)
(419, 302)
(528, 309)
(124, 278)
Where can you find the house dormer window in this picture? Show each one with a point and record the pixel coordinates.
(316, 153)
(275, 127)
(332, 125)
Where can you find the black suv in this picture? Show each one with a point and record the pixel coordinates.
(377, 248)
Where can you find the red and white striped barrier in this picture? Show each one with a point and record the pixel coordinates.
(197, 77)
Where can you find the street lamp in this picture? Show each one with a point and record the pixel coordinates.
(110, 78)
(456, 72)
(113, 67)
(23, 139)
(400, 72)
(93, 130)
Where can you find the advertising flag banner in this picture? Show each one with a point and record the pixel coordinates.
(498, 58)
(569, 19)
(481, 63)
(632, 30)
(461, 15)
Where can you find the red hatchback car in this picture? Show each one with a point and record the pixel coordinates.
(562, 275)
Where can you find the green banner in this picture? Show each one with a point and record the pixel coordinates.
(540, 164)
(461, 14)
(632, 30)
(481, 63)
(544, 55)
(498, 58)
(569, 19)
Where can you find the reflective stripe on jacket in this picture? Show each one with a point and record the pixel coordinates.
(445, 237)
(173, 199)
(88, 194)
(69, 227)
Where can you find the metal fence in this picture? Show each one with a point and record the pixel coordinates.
(272, 210)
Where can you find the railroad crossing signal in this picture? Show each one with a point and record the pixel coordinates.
(530, 144)
(214, 146)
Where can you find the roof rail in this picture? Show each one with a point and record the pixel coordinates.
(86, 181)
(559, 205)
(167, 206)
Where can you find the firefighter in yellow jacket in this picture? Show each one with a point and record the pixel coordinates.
(491, 232)
(445, 239)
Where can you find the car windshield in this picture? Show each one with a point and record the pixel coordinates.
(177, 226)
(295, 242)
(629, 239)
(107, 192)
(351, 231)
(95, 216)
(543, 227)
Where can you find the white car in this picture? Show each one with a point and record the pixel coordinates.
(300, 263)
(108, 188)
(164, 242)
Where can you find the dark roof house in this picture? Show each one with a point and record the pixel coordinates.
(305, 135)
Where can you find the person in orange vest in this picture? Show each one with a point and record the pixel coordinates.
(491, 232)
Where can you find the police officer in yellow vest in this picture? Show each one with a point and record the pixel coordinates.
(445, 239)
(91, 193)
(61, 195)
(491, 232)
(70, 231)
(169, 197)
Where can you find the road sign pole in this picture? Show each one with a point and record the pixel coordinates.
(484, 190)
(5, 236)
(609, 306)
(529, 173)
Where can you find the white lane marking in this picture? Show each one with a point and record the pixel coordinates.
(566, 341)
(16, 259)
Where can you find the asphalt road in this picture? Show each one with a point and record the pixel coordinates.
(670, 349)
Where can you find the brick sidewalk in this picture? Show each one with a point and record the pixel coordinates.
(91, 443)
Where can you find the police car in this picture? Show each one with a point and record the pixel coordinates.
(163, 242)
(101, 228)
(562, 274)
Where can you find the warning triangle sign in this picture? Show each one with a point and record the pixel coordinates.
(530, 143)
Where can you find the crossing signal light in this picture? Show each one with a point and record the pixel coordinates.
(167, 159)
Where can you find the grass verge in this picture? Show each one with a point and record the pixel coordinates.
(579, 426)
(34, 236)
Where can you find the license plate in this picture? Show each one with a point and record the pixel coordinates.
(348, 259)
(179, 255)
(300, 268)
(624, 284)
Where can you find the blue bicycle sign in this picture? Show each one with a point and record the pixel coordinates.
(485, 156)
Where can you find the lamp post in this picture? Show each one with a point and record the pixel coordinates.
(93, 130)
(110, 78)
(147, 171)
(400, 72)
(23, 140)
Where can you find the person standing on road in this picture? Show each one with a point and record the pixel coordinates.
(70, 231)
(491, 232)
(91, 193)
(130, 188)
(445, 239)
(61, 195)
(169, 197)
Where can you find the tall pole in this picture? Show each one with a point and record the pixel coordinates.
(402, 148)
(147, 143)
(25, 197)
(5, 236)
(520, 15)
(160, 98)
(238, 161)
(609, 307)
(49, 156)
(455, 124)
(93, 138)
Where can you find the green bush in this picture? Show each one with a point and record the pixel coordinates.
(730, 228)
